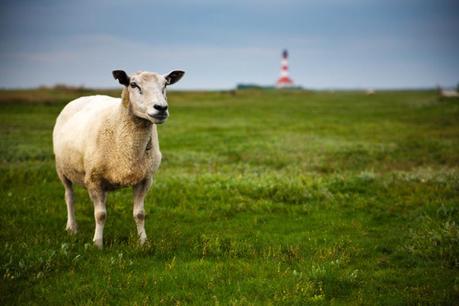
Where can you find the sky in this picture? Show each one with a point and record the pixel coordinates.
(331, 43)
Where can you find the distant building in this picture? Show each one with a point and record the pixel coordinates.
(284, 80)
(242, 86)
(447, 93)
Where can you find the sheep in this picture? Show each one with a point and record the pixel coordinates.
(104, 143)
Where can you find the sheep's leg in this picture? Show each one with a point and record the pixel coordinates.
(140, 191)
(71, 226)
(98, 196)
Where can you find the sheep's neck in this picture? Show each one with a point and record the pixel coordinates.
(135, 134)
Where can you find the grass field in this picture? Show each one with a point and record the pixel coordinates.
(263, 197)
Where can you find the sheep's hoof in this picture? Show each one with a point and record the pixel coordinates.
(72, 229)
(98, 243)
(143, 241)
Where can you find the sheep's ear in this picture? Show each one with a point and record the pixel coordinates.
(174, 76)
(121, 76)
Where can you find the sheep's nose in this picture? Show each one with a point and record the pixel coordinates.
(160, 108)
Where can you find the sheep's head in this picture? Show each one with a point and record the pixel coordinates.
(147, 93)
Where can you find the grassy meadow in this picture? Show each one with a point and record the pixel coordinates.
(263, 197)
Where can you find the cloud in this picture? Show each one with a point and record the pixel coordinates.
(315, 62)
(89, 60)
(332, 43)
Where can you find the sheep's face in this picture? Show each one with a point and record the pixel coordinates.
(147, 93)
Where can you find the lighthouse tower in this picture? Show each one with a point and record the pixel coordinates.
(284, 80)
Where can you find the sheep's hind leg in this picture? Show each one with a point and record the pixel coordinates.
(71, 226)
(140, 191)
(98, 196)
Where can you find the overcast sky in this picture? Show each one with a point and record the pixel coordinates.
(332, 43)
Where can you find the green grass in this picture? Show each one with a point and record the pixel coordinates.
(262, 197)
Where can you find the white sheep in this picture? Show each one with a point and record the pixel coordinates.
(104, 143)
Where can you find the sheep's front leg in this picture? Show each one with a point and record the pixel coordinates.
(98, 197)
(140, 191)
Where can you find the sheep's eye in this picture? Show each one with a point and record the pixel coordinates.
(134, 85)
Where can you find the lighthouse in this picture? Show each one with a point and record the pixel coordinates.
(284, 79)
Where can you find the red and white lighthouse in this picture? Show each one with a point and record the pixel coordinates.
(284, 79)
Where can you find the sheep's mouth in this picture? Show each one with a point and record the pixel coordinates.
(160, 118)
